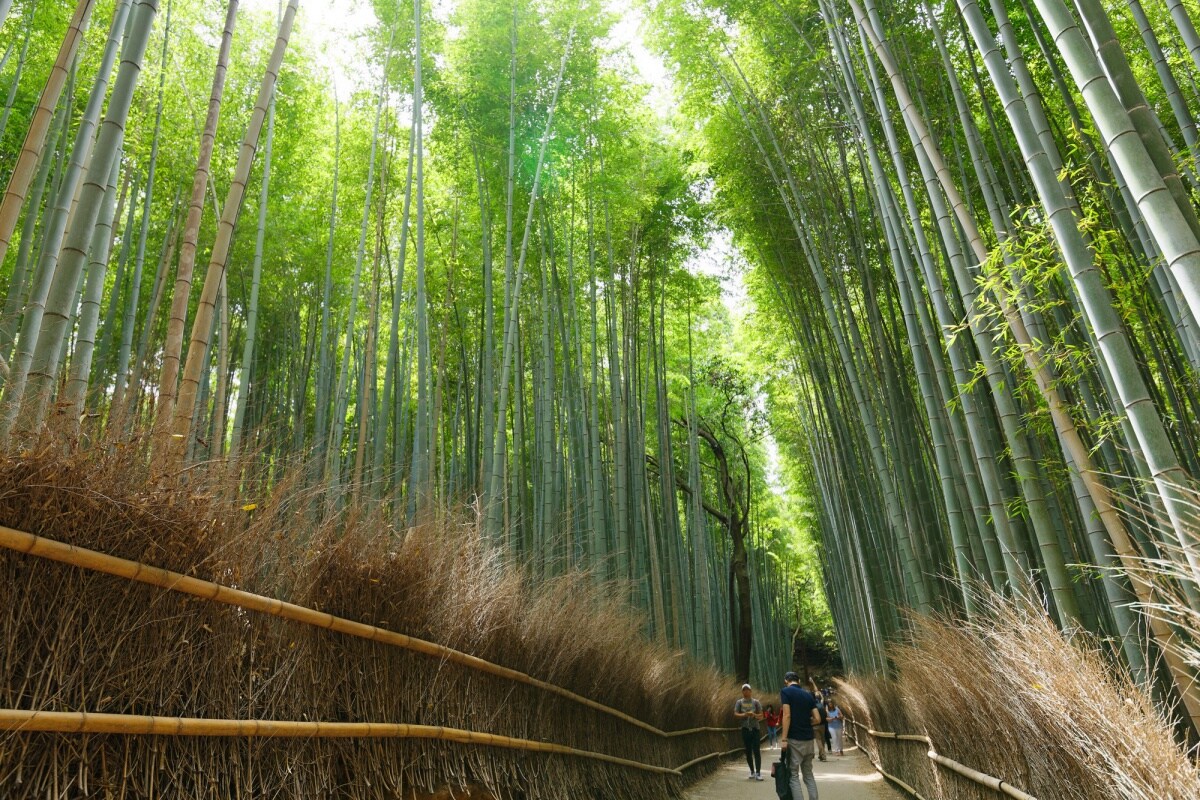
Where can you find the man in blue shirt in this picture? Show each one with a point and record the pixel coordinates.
(800, 715)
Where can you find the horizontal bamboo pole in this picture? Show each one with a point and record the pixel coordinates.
(690, 731)
(708, 757)
(962, 769)
(139, 725)
(903, 737)
(905, 786)
(979, 777)
(84, 558)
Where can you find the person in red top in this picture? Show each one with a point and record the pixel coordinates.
(772, 718)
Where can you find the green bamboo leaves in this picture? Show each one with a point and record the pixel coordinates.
(974, 281)
(465, 292)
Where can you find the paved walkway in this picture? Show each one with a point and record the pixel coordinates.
(850, 777)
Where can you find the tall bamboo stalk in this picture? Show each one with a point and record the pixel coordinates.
(43, 334)
(181, 294)
(218, 261)
(39, 125)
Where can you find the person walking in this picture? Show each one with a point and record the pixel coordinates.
(750, 711)
(834, 724)
(820, 733)
(800, 714)
(772, 718)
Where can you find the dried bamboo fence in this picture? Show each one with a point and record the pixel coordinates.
(973, 775)
(29, 544)
(130, 724)
(1045, 714)
(144, 654)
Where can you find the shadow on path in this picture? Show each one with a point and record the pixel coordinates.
(850, 777)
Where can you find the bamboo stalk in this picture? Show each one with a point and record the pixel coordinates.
(39, 126)
(19, 720)
(84, 558)
(200, 343)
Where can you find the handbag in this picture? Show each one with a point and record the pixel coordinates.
(779, 771)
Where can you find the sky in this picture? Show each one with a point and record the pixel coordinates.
(333, 25)
(627, 33)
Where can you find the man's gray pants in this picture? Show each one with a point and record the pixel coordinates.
(800, 764)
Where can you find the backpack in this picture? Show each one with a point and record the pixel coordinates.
(779, 771)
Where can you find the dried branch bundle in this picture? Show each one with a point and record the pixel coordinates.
(76, 640)
(1011, 696)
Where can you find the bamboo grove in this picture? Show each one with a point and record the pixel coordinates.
(974, 234)
(966, 360)
(454, 284)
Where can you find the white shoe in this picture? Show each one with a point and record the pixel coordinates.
(758, 776)
(750, 777)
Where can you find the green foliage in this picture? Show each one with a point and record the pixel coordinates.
(880, 371)
(621, 213)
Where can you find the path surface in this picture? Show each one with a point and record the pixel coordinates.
(850, 777)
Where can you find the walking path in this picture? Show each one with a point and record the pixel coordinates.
(850, 777)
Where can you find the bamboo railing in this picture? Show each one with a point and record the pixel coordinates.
(16, 720)
(140, 725)
(31, 544)
(975, 775)
(82, 722)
